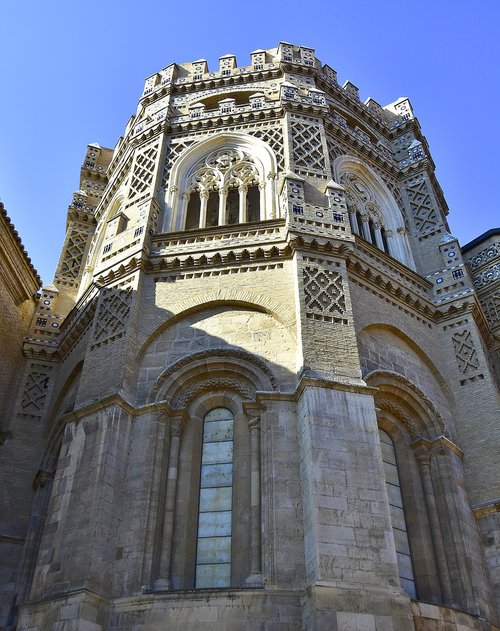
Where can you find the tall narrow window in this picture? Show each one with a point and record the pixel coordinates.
(397, 514)
(193, 212)
(213, 554)
(253, 203)
(371, 227)
(384, 240)
(233, 206)
(213, 209)
(359, 222)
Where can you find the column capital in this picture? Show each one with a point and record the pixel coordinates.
(439, 445)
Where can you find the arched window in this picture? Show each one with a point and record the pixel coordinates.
(369, 193)
(398, 520)
(213, 544)
(225, 180)
(223, 188)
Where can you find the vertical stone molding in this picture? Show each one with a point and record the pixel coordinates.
(177, 422)
(423, 457)
(255, 578)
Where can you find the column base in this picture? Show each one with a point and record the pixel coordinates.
(254, 580)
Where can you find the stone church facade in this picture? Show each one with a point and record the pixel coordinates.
(261, 392)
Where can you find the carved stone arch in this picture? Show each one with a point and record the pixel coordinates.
(406, 402)
(225, 298)
(216, 369)
(179, 182)
(347, 166)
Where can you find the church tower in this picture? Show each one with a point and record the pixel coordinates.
(260, 392)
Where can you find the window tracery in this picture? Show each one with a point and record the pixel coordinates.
(223, 188)
(221, 180)
(373, 212)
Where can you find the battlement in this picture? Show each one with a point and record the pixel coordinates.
(264, 64)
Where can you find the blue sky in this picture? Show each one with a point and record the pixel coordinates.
(72, 73)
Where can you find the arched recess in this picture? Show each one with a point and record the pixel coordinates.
(219, 149)
(193, 388)
(226, 298)
(412, 357)
(371, 201)
(408, 417)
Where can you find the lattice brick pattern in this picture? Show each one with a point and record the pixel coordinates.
(174, 150)
(323, 291)
(334, 151)
(307, 146)
(492, 309)
(34, 393)
(143, 171)
(425, 215)
(73, 254)
(113, 314)
(273, 136)
(465, 352)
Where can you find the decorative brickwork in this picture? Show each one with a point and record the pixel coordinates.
(487, 276)
(492, 309)
(307, 145)
(113, 315)
(323, 292)
(143, 172)
(35, 391)
(425, 215)
(466, 354)
(70, 266)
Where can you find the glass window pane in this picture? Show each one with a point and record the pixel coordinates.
(213, 575)
(213, 499)
(193, 212)
(213, 557)
(213, 209)
(233, 206)
(214, 550)
(397, 514)
(216, 475)
(216, 524)
(253, 203)
(217, 430)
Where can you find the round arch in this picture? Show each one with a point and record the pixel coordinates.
(378, 203)
(422, 355)
(227, 298)
(262, 155)
(216, 369)
(405, 401)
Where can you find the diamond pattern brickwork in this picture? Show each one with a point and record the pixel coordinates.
(307, 146)
(113, 315)
(73, 255)
(465, 352)
(35, 391)
(425, 215)
(323, 292)
(143, 172)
